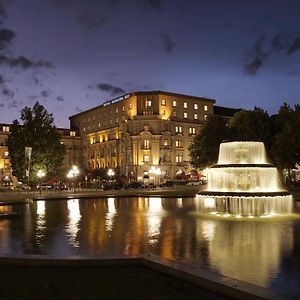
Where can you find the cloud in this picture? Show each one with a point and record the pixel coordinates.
(261, 50)
(293, 73)
(7, 92)
(12, 104)
(89, 21)
(156, 4)
(2, 79)
(46, 93)
(112, 90)
(24, 62)
(167, 42)
(256, 56)
(6, 36)
(77, 109)
(60, 99)
(1, 104)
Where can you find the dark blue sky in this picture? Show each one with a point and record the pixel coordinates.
(72, 55)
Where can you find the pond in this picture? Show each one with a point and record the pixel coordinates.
(263, 252)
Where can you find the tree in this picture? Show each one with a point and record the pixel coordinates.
(286, 147)
(252, 125)
(39, 132)
(205, 147)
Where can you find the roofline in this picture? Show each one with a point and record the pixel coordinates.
(131, 94)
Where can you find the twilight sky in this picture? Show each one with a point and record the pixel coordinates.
(72, 55)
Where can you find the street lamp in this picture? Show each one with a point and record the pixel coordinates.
(110, 173)
(72, 174)
(156, 171)
(40, 174)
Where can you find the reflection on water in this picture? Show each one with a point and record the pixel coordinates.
(259, 252)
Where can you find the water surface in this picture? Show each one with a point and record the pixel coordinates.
(264, 252)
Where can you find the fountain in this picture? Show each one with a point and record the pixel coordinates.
(243, 183)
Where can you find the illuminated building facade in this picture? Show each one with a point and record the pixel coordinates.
(142, 130)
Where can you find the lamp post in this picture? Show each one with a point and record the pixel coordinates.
(110, 173)
(72, 174)
(156, 171)
(40, 174)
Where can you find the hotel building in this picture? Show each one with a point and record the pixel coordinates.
(142, 132)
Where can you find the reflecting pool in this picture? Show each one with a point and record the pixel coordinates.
(263, 252)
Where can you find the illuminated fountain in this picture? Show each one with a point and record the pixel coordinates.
(243, 183)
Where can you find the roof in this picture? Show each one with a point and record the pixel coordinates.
(128, 95)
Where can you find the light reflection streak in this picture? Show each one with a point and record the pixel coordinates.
(72, 227)
(111, 212)
(154, 218)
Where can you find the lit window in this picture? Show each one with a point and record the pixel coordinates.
(146, 158)
(178, 129)
(192, 130)
(83, 129)
(165, 142)
(178, 144)
(117, 110)
(146, 144)
(99, 125)
(179, 157)
(72, 133)
(130, 105)
(174, 103)
(195, 106)
(6, 128)
(123, 108)
(185, 115)
(205, 117)
(185, 105)
(195, 116)
(148, 103)
(205, 108)
(146, 127)
(6, 153)
(163, 102)
(117, 120)
(174, 113)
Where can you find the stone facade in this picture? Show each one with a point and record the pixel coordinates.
(142, 130)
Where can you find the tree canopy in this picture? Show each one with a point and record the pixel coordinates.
(280, 134)
(38, 131)
(205, 148)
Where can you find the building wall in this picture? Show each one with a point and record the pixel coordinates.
(140, 130)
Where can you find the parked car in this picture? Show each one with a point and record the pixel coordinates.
(134, 185)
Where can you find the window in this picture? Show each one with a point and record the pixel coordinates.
(195, 116)
(178, 129)
(146, 127)
(146, 144)
(185, 105)
(123, 108)
(130, 105)
(179, 157)
(163, 102)
(146, 158)
(205, 117)
(185, 115)
(5, 128)
(72, 133)
(148, 103)
(195, 106)
(83, 129)
(166, 143)
(174, 103)
(6, 153)
(117, 110)
(178, 144)
(205, 108)
(117, 120)
(174, 113)
(192, 130)
(99, 125)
